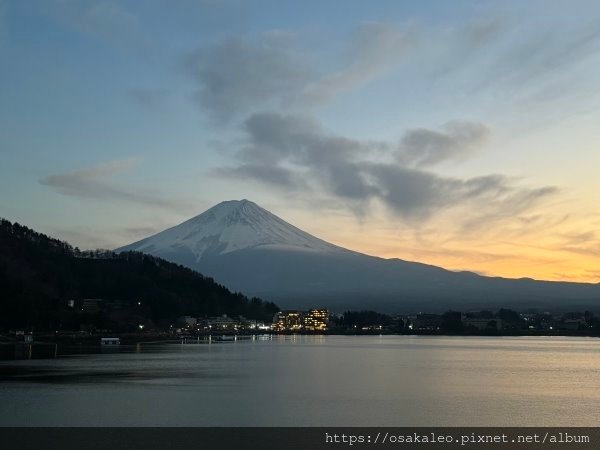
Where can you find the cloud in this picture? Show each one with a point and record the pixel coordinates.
(509, 204)
(505, 56)
(281, 149)
(276, 140)
(500, 58)
(375, 49)
(417, 193)
(237, 75)
(97, 183)
(581, 242)
(545, 52)
(526, 65)
(456, 140)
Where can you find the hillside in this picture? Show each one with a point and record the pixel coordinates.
(38, 275)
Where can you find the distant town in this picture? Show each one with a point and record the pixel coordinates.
(503, 321)
(323, 321)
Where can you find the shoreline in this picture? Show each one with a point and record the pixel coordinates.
(44, 350)
(148, 338)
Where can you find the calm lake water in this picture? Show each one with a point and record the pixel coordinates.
(313, 381)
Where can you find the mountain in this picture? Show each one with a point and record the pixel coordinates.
(39, 274)
(229, 227)
(251, 250)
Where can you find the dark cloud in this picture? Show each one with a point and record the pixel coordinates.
(97, 183)
(456, 140)
(282, 149)
(416, 193)
(274, 137)
(237, 75)
(301, 142)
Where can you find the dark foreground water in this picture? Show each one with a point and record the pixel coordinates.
(313, 381)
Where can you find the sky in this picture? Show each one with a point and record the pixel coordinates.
(462, 134)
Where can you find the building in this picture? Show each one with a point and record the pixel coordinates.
(114, 305)
(427, 322)
(288, 321)
(575, 324)
(222, 323)
(91, 305)
(263, 326)
(539, 321)
(483, 323)
(250, 324)
(316, 320)
(187, 321)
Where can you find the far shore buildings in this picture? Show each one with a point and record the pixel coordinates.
(483, 323)
(318, 320)
(287, 321)
(229, 324)
(314, 320)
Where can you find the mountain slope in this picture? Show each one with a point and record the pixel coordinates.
(249, 249)
(38, 274)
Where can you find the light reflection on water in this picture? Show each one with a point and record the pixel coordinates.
(313, 381)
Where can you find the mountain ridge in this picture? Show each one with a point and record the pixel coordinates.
(249, 249)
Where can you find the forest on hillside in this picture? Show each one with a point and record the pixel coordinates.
(44, 281)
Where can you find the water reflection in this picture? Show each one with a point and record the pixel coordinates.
(309, 380)
(41, 350)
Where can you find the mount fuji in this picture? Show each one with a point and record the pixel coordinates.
(251, 250)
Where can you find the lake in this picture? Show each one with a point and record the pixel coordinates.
(313, 381)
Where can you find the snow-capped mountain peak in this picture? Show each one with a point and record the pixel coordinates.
(227, 227)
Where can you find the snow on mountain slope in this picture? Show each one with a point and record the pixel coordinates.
(231, 226)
